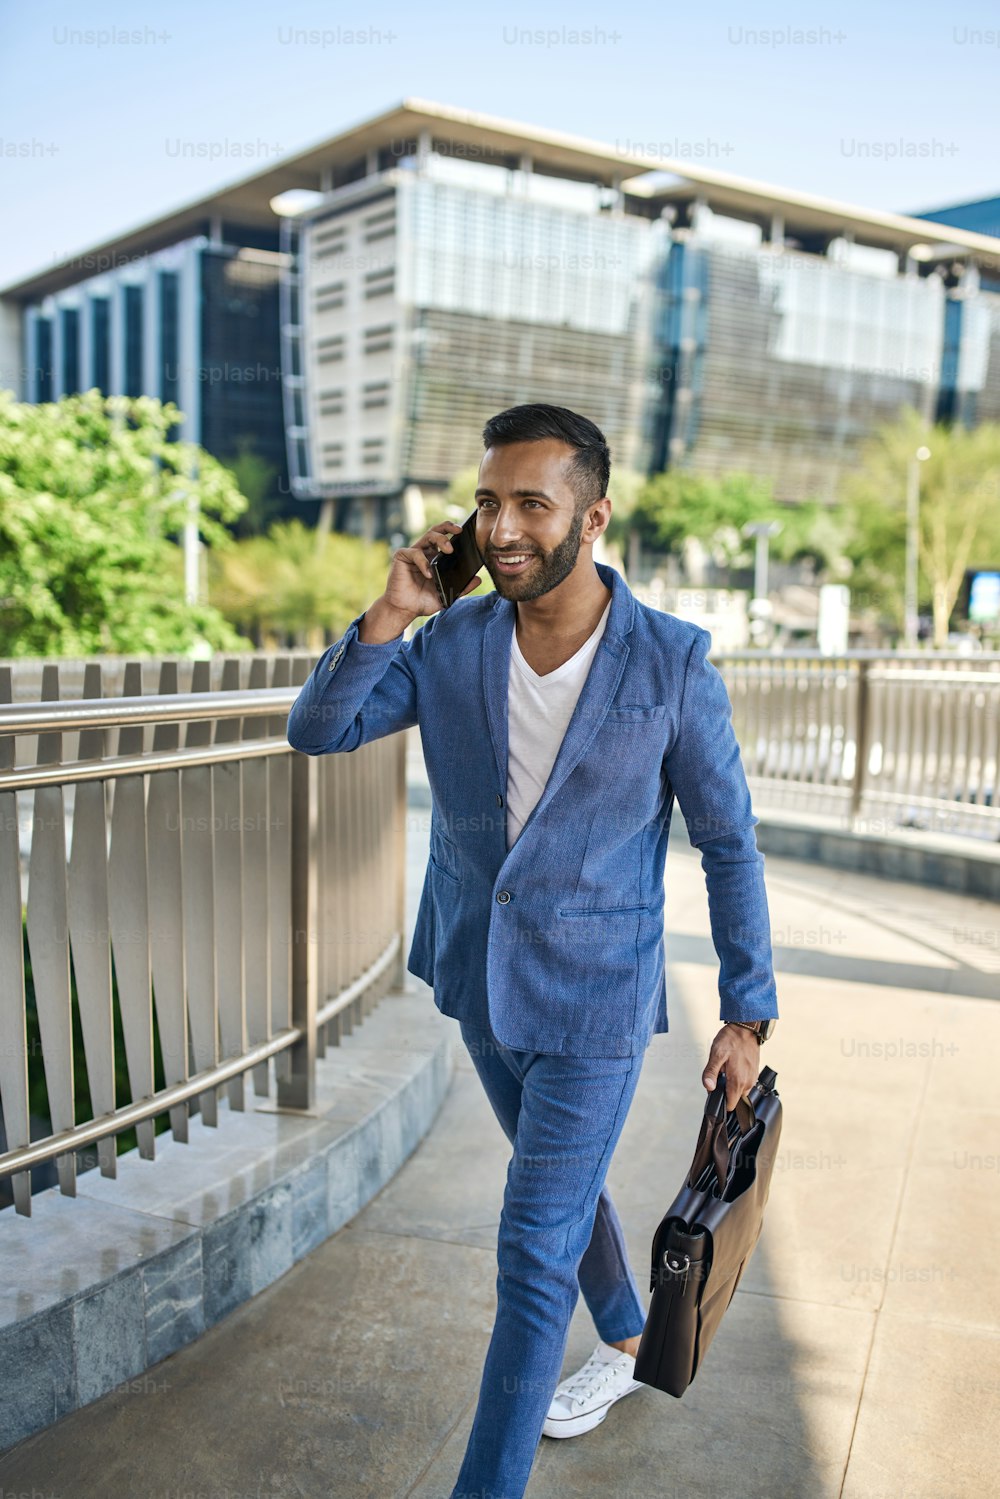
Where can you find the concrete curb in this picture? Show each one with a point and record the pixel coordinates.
(98, 1290)
(970, 866)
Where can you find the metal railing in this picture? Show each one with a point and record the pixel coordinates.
(250, 898)
(882, 741)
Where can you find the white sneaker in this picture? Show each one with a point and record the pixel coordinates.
(582, 1401)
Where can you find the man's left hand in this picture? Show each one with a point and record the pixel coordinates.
(737, 1051)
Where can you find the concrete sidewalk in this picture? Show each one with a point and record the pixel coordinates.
(860, 1357)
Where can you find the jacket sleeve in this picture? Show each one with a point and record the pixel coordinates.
(356, 692)
(705, 771)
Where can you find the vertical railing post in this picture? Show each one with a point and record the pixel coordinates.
(401, 747)
(14, 1086)
(298, 1089)
(861, 738)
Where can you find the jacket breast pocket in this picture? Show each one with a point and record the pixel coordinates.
(638, 712)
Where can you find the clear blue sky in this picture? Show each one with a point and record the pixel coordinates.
(912, 87)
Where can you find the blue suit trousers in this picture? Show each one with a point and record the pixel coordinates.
(559, 1235)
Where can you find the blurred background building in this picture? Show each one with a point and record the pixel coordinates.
(355, 312)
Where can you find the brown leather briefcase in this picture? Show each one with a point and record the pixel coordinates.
(708, 1234)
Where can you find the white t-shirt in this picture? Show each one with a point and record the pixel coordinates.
(538, 714)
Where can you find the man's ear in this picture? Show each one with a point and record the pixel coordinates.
(605, 516)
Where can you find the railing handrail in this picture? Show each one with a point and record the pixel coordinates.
(114, 766)
(887, 672)
(70, 714)
(861, 654)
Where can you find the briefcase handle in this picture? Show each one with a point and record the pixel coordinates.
(714, 1144)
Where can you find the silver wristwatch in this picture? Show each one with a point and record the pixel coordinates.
(762, 1029)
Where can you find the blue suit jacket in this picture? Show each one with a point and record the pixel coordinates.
(559, 943)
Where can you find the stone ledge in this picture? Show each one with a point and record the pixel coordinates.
(970, 866)
(171, 1246)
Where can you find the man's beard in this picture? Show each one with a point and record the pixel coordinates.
(548, 568)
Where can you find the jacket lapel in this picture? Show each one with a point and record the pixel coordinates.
(595, 697)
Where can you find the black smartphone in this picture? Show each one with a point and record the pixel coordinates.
(454, 570)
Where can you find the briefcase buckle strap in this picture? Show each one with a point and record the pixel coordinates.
(679, 1266)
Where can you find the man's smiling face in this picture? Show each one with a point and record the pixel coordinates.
(528, 510)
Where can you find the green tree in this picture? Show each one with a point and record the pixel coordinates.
(93, 502)
(255, 479)
(675, 505)
(672, 506)
(814, 532)
(959, 512)
(291, 583)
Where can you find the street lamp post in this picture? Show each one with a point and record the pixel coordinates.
(192, 544)
(912, 545)
(760, 604)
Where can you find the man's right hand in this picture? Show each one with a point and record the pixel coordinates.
(410, 591)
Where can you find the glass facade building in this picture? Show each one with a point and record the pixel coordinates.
(448, 265)
(240, 367)
(435, 292)
(778, 364)
(195, 323)
(982, 216)
(971, 386)
(509, 300)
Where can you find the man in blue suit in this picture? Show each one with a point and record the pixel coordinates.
(560, 719)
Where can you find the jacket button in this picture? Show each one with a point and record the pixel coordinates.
(499, 800)
(503, 897)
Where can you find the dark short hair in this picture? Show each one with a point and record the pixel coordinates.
(590, 470)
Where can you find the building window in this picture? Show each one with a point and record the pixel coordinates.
(70, 319)
(330, 297)
(331, 402)
(329, 350)
(329, 242)
(375, 394)
(378, 340)
(43, 359)
(380, 283)
(169, 336)
(100, 351)
(380, 226)
(133, 340)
